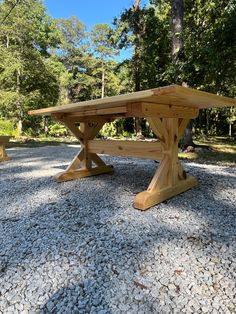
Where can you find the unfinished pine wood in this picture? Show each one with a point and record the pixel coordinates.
(169, 95)
(158, 127)
(3, 154)
(167, 109)
(147, 199)
(170, 179)
(82, 173)
(99, 112)
(148, 109)
(82, 164)
(149, 150)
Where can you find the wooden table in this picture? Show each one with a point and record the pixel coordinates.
(3, 154)
(168, 111)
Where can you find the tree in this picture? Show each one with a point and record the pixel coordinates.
(177, 37)
(210, 48)
(103, 49)
(130, 21)
(72, 54)
(178, 57)
(26, 79)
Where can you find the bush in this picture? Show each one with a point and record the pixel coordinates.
(127, 134)
(29, 132)
(7, 128)
(108, 130)
(57, 130)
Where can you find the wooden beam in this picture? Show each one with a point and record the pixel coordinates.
(82, 173)
(149, 150)
(170, 179)
(159, 128)
(99, 112)
(146, 109)
(76, 161)
(4, 138)
(169, 111)
(147, 199)
(3, 154)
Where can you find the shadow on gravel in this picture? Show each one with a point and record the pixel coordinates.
(90, 228)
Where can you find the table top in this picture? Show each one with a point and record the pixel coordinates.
(168, 95)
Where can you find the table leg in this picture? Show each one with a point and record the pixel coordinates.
(83, 163)
(3, 153)
(170, 179)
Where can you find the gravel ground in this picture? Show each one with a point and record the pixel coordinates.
(80, 246)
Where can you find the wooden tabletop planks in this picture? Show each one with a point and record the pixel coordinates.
(168, 95)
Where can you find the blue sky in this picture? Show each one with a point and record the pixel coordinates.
(89, 11)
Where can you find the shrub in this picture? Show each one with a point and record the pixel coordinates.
(7, 128)
(108, 130)
(57, 130)
(127, 134)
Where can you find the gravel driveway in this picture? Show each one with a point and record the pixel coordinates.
(80, 246)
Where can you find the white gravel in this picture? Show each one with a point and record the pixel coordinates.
(80, 246)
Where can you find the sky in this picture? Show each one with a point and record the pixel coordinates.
(90, 12)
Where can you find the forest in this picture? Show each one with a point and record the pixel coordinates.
(47, 62)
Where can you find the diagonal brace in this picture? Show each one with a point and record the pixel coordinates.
(82, 164)
(170, 179)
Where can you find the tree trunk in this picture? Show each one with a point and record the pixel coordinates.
(188, 136)
(137, 59)
(19, 104)
(230, 122)
(103, 81)
(207, 121)
(177, 34)
(7, 43)
(178, 55)
(45, 125)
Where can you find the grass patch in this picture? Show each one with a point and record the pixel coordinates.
(216, 150)
(40, 142)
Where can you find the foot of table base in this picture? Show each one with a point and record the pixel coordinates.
(82, 173)
(5, 158)
(3, 153)
(147, 199)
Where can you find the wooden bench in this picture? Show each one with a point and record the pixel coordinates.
(3, 141)
(167, 109)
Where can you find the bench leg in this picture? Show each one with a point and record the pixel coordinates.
(170, 179)
(84, 164)
(3, 153)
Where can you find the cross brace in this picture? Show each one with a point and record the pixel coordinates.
(83, 163)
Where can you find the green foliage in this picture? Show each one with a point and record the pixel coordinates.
(57, 130)
(26, 80)
(108, 130)
(101, 35)
(6, 127)
(210, 45)
(152, 44)
(118, 128)
(208, 61)
(72, 32)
